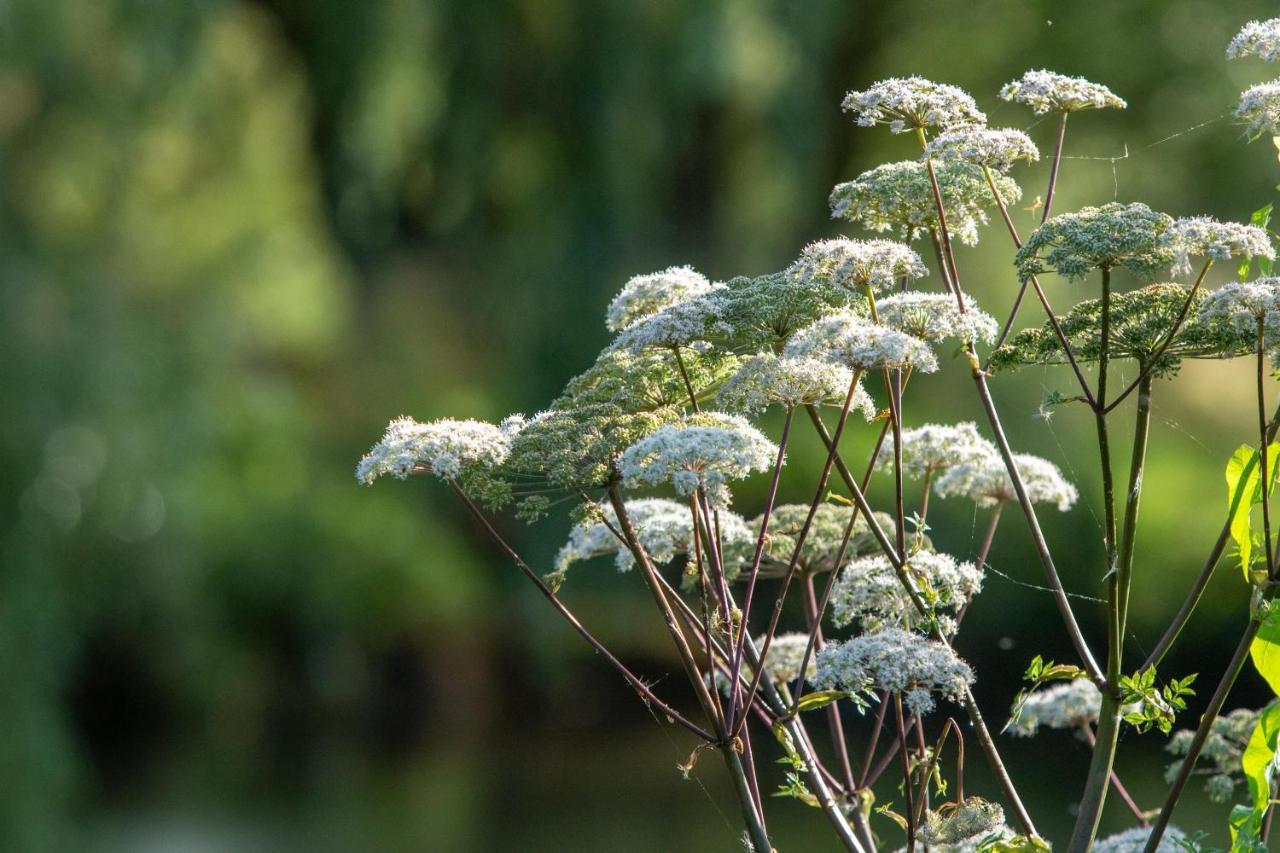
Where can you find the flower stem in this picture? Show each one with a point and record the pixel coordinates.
(1053, 171)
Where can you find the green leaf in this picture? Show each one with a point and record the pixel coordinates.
(1244, 490)
(1261, 218)
(819, 699)
(1265, 650)
(1259, 764)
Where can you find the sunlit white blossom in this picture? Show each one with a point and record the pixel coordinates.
(1257, 38)
(859, 344)
(994, 148)
(912, 102)
(1135, 841)
(705, 451)
(1050, 92)
(986, 482)
(932, 448)
(1206, 237)
(965, 827)
(856, 264)
(447, 448)
(1115, 235)
(1067, 705)
(1242, 305)
(898, 661)
(1259, 109)
(689, 322)
(899, 197)
(771, 380)
(644, 295)
(870, 593)
(935, 317)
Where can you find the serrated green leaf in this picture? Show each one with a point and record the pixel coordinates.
(1265, 650)
(1259, 765)
(1244, 490)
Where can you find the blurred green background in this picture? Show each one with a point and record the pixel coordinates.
(237, 237)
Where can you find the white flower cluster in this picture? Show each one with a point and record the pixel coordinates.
(1069, 705)
(446, 448)
(1257, 38)
(688, 322)
(855, 264)
(912, 102)
(1259, 109)
(899, 197)
(1135, 841)
(870, 593)
(897, 661)
(932, 448)
(786, 652)
(986, 481)
(965, 828)
(858, 344)
(1242, 305)
(705, 452)
(1206, 237)
(934, 317)
(995, 148)
(790, 381)
(644, 295)
(1050, 92)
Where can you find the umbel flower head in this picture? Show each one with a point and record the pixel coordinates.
(1257, 38)
(1131, 236)
(912, 103)
(997, 149)
(1206, 237)
(790, 381)
(897, 661)
(899, 197)
(1069, 705)
(933, 448)
(936, 317)
(857, 264)
(447, 448)
(703, 451)
(644, 295)
(786, 653)
(964, 827)
(689, 322)
(648, 380)
(1259, 109)
(859, 344)
(1135, 841)
(822, 544)
(1050, 92)
(1221, 754)
(762, 313)
(663, 527)
(1237, 309)
(870, 593)
(986, 482)
(1139, 326)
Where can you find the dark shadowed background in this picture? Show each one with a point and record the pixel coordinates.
(237, 237)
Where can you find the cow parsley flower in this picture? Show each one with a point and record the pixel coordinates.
(822, 544)
(870, 593)
(911, 103)
(1257, 38)
(447, 448)
(644, 295)
(859, 344)
(1069, 705)
(986, 482)
(1259, 109)
(771, 380)
(964, 827)
(899, 197)
(933, 448)
(704, 451)
(1131, 236)
(857, 264)
(1221, 754)
(898, 661)
(1050, 92)
(762, 313)
(690, 322)
(997, 149)
(1241, 306)
(1206, 237)
(648, 380)
(1135, 841)
(935, 317)
(786, 652)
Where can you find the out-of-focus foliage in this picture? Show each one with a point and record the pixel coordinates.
(236, 238)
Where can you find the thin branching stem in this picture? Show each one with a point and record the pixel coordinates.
(1087, 731)
(906, 773)
(1053, 170)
